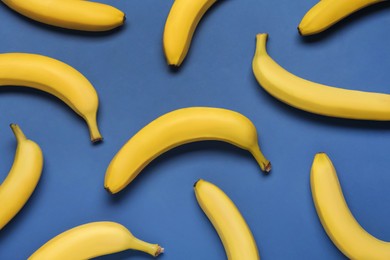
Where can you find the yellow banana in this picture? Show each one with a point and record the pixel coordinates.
(54, 77)
(328, 12)
(177, 128)
(227, 220)
(337, 219)
(22, 179)
(92, 240)
(314, 97)
(181, 23)
(75, 14)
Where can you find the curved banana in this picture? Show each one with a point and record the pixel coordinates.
(328, 12)
(22, 179)
(75, 14)
(181, 23)
(55, 77)
(314, 97)
(176, 128)
(235, 234)
(92, 240)
(337, 219)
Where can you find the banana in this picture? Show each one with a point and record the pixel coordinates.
(337, 219)
(22, 179)
(328, 12)
(54, 77)
(181, 23)
(235, 234)
(314, 97)
(92, 240)
(71, 14)
(176, 128)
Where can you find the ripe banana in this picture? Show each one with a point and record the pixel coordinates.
(328, 12)
(75, 14)
(181, 23)
(337, 219)
(92, 240)
(227, 220)
(55, 77)
(314, 97)
(22, 179)
(176, 128)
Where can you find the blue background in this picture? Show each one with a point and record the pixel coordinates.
(129, 72)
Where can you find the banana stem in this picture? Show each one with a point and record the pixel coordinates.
(152, 249)
(265, 164)
(261, 41)
(18, 133)
(160, 250)
(93, 128)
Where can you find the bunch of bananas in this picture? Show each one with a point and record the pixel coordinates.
(180, 127)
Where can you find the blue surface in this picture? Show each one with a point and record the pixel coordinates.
(128, 70)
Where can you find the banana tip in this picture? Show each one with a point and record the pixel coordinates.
(108, 190)
(14, 126)
(196, 183)
(18, 132)
(160, 250)
(319, 154)
(262, 35)
(173, 67)
(97, 140)
(268, 167)
(299, 31)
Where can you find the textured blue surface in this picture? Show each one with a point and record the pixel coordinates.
(128, 70)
